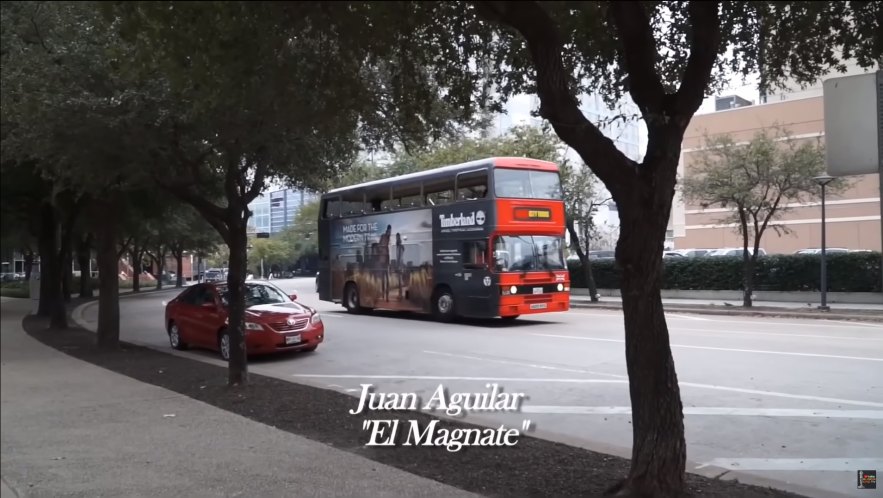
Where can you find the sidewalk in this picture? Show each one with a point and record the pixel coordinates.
(839, 311)
(738, 303)
(70, 428)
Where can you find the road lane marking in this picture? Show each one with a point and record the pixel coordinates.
(682, 383)
(718, 411)
(524, 364)
(688, 317)
(733, 333)
(444, 377)
(589, 381)
(730, 319)
(734, 350)
(844, 464)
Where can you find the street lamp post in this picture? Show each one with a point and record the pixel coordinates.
(823, 181)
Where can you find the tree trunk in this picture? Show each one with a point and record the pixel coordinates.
(108, 282)
(84, 256)
(160, 268)
(67, 265)
(584, 261)
(135, 254)
(51, 295)
(659, 448)
(179, 269)
(747, 266)
(46, 249)
(238, 244)
(29, 264)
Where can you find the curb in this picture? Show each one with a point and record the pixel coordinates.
(742, 312)
(77, 313)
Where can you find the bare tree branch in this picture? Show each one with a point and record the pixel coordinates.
(639, 55)
(705, 41)
(557, 104)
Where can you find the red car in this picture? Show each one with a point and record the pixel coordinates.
(274, 322)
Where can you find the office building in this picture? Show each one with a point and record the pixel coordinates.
(852, 216)
(276, 210)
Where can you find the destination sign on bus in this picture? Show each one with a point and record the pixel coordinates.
(531, 214)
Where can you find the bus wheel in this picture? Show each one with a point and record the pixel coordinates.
(351, 299)
(443, 305)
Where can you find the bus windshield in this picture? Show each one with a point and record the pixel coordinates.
(527, 184)
(529, 253)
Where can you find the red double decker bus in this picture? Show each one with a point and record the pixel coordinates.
(482, 239)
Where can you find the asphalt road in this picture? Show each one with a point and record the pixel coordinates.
(791, 401)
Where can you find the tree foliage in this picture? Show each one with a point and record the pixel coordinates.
(302, 237)
(668, 56)
(757, 183)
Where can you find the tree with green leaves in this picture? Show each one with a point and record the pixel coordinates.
(269, 253)
(188, 232)
(756, 182)
(520, 141)
(301, 239)
(667, 56)
(581, 202)
(265, 92)
(61, 89)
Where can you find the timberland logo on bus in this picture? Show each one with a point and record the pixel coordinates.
(472, 219)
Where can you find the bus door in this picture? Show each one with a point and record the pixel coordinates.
(477, 283)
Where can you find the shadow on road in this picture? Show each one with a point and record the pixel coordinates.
(477, 322)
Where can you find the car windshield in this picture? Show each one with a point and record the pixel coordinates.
(529, 253)
(527, 184)
(256, 295)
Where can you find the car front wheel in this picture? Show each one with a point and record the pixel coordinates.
(224, 345)
(175, 337)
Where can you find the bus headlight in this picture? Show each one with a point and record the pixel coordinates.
(560, 287)
(513, 290)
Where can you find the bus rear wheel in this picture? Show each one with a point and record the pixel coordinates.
(443, 305)
(351, 299)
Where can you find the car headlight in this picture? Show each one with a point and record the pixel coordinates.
(315, 319)
(560, 287)
(253, 326)
(513, 290)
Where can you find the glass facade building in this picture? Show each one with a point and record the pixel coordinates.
(274, 211)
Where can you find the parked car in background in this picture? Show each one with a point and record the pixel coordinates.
(672, 254)
(215, 275)
(828, 250)
(602, 255)
(274, 321)
(734, 251)
(694, 253)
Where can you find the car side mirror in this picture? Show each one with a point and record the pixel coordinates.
(292, 296)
